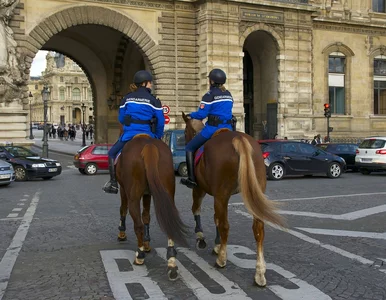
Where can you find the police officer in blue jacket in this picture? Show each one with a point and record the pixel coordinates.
(217, 105)
(139, 112)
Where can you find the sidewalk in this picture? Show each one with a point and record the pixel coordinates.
(56, 145)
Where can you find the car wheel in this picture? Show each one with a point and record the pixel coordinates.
(276, 171)
(334, 170)
(365, 171)
(47, 178)
(183, 170)
(82, 171)
(90, 169)
(20, 173)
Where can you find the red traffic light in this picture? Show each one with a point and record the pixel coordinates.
(326, 105)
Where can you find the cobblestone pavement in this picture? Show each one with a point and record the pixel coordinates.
(60, 238)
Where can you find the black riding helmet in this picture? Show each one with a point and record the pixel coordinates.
(142, 76)
(218, 76)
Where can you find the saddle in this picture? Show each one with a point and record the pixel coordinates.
(139, 135)
(200, 152)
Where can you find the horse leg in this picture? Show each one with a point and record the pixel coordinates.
(146, 221)
(222, 225)
(198, 196)
(123, 211)
(135, 213)
(258, 231)
(171, 257)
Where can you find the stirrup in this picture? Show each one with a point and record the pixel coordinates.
(110, 188)
(188, 182)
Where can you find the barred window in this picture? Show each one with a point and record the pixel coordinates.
(76, 94)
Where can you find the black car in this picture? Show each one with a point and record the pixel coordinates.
(344, 150)
(28, 165)
(285, 157)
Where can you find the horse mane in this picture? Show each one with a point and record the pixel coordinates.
(197, 125)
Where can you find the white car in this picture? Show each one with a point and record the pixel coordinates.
(371, 155)
(7, 174)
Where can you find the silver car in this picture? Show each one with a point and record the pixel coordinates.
(7, 174)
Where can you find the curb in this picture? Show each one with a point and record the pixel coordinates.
(55, 151)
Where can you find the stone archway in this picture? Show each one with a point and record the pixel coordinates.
(102, 41)
(261, 80)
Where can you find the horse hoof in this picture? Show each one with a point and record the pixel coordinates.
(146, 247)
(260, 281)
(220, 264)
(200, 244)
(173, 274)
(216, 249)
(122, 237)
(139, 261)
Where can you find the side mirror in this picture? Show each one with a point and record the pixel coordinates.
(3, 156)
(316, 153)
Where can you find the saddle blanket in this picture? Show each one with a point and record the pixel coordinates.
(198, 155)
(139, 135)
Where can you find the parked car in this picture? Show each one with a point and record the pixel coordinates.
(175, 139)
(371, 155)
(344, 150)
(92, 158)
(285, 157)
(7, 174)
(28, 165)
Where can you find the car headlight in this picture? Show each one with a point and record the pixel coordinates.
(58, 164)
(38, 166)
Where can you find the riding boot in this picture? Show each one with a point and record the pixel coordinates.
(190, 182)
(111, 187)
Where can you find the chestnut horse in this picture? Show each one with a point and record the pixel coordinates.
(145, 169)
(232, 163)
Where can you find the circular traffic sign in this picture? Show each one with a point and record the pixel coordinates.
(166, 109)
(167, 120)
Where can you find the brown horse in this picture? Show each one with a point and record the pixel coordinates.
(145, 169)
(232, 163)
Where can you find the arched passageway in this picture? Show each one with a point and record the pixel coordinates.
(260, 84)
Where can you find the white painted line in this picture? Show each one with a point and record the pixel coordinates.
(26, 196)
(21, 204)
(308, 239)
(345, 233)
(10, 256)
(320, 197)
(17, 209)
(11, 219)
(232, 290)
(12, 215)
(23, 199)
(347, 217)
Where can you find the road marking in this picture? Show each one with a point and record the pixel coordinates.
(17, 209)
(319, 197)
(21, 204)
(11, 219)
(118, 279)
(12, 215)
(23, 199)
(232, 290)
(308, 239)
(10, 256)
(345, 233)
(305, 290)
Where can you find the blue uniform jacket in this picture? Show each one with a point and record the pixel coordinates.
(141, 105)
(217, 103)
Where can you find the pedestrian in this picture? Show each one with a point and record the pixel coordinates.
(276, 136)
(91, 131)
(217, 106)
(265, 130)
(139, 112)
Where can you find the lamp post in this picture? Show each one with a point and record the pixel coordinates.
(45, 97)
(83, 126)
(31, 136)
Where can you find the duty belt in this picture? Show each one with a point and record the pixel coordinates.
(129, 121)
(215, 121)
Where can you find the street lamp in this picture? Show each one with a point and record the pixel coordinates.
(45, 97)
(83, 127)
(31, 136)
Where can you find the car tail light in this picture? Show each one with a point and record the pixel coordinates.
(76, 157)
(380, 151)
(357, 151)
(265, 155)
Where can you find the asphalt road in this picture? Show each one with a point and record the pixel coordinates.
(58, 241)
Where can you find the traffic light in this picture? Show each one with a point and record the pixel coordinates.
(327, 110)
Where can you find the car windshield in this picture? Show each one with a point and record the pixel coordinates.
(372, 144)
(180, 141)
(82, 149)
(19, 151)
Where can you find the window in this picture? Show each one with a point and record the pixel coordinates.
(336, 82)
(76, 79)
(89, 94)
(379, 6)
(76, 94)
(61, 79)
(306, 149)
(372, 144)
(180, 141)
(380, 85)
(166, 138)
(101, 150)
(289, 148)
(36, 87)
(62, 94)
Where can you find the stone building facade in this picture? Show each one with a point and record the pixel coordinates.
(69, 91)
(284, 59)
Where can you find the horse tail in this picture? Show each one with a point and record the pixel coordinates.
(254, 199)
(166, 212)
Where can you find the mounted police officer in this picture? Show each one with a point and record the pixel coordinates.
(139, 112)
(217, 105)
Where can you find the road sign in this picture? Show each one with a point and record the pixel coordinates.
(166, 109)
(167, 120)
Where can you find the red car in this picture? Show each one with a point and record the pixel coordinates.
(92, 158)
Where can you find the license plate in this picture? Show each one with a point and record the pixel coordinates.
(367, 159)
(5, 176)
(53, 170)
